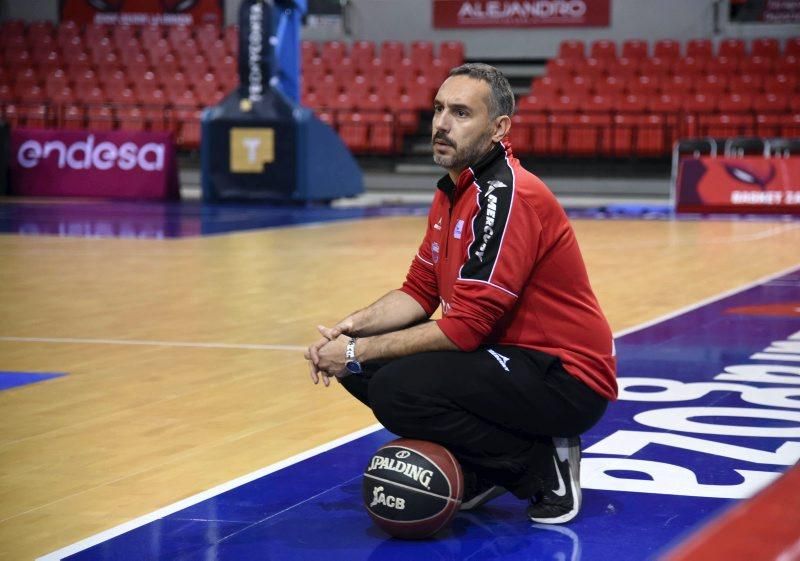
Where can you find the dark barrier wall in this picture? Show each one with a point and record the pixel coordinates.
(5, 142)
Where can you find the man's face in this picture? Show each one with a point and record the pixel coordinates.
(462, 130)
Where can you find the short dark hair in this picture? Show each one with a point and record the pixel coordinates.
(501, 98)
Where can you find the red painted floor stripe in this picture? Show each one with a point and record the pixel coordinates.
(767, 527)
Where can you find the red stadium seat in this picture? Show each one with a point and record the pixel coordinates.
(745, 83)
(677, 85)
(151, 34)
(610, 86)
(188, 128)
(634, 49)
(538, 130)
(559, 68)
(596, 105)
(756, 65)
(651, 138)
(230, 35)
(770, 103)
(208, 33)
(767, 47)
(353, 130)
(769, 124)
(93, 33)
(664, 103)
(699, 103)
(382, 133)
(131, 118)
(590, 69)
(780, 84)
(787, 65)
(603, 49)
(63, 96)
(100, 118)
(519, 135)
(452, 53)
(623, 68)
(733, 48)
(532, 103)
(792, 47)
(362, 53)
(724, 125)
(790, 127)
(645, 86)
(121, 35)
(711, 84)
(722, 65)
(576, 87)
(735, 103)
(667, 48)
(630, 103)
(571, 50)
(392, 52)
(689, 66)
(177, 35)
(332, 53)
(589, 135)
(655, 66)
(73, 117)
(621, 142)
(422, 52)
(700, 48)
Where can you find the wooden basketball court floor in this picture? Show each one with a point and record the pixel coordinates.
(182, 358)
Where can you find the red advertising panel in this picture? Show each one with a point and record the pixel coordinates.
(751, 184)
(520, 13)
(142, 12)
(114, 165)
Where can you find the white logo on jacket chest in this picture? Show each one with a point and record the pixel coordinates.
(435, 251)
(458, 229)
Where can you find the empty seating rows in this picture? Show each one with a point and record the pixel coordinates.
(158, 78)
(364, 89)
(108, 77)
(640, 104)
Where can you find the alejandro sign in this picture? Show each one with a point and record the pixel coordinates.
(520, 13)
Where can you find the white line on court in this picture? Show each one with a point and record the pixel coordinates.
(72, 340)
(204, 495)
(191, 501)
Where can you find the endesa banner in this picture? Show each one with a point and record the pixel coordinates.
(113, 165)
(751, 184)
(143, 12)
(516, 13)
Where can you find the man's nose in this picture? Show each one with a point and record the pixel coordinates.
(441, 122)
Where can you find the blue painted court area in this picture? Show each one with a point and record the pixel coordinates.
(155, 220)
(101, 219)
(10, 379)
(707, 416)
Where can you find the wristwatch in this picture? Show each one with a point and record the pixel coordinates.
(351, 363)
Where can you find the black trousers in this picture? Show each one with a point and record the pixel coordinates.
(497, 412)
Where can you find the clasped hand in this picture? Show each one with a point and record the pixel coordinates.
(326, 357)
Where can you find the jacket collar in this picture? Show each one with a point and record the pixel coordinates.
(498, 150)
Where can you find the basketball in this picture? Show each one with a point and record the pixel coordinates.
(412, 488)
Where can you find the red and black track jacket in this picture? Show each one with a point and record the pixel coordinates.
(501, 258)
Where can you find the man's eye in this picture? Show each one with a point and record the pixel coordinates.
(462, 113)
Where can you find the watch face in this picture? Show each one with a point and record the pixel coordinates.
(353, 366)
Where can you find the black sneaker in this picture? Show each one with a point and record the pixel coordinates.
(559, 505)
(478, 492)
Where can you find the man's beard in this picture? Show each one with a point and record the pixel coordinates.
(462, 157)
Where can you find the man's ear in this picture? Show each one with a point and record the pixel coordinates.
(502, 124)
